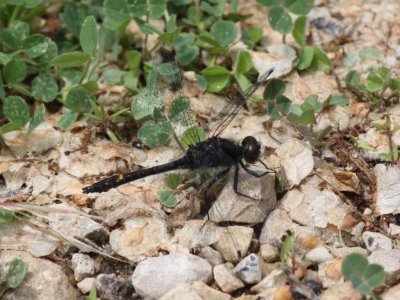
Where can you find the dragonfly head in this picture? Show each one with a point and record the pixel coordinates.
(252, 149)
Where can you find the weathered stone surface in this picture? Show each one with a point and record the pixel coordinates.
(226, 279)
(376, 240)
(155, 276)
(249, 269)
(44, 280)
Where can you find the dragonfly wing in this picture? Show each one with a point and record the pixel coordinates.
(166, 102)
(225, 117)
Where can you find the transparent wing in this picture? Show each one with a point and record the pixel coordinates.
(225, 117)
(166, 101)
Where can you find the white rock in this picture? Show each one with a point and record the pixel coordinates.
(343, 252)
(155, 276)
(234, 242)
(21, 142)
(394, 229)
(388, 259)
(231, 207)
(197, 234)
(269, 253)
(207, 292)
(139, 238)
(249, 269)
(86, 284)
(318, 255)
(340, 291)
(83, 266)
(211, 255)
(376, 240)
(388, 189)
(296, 160)
(276, 226)
(226, 279)
(44, 279)
(309, 206)
(76, 225)
(262, 62)
(183, 291)
(282, 50)
(274, 279)
(392, 294)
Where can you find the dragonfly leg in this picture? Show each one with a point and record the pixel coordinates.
(255, 174)
(207, 199)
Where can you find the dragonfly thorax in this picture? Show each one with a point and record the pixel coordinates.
(251, 148)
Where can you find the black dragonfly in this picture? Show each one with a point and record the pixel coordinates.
(214, 152)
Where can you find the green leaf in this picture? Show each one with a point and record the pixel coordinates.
(312, 103)
(78, 100)
(167, 199)
(179, 110)
(364, 276)
(384, 73)
(173, 180)
(299, 7)
(70, 59)
(36, 45)
(88, 36)
(113, 76)
(16, 110)
(44, 88)
(243, 62)
(269, 3)
(73, 16)
(279, 19)
(395, 85)
(169, 37)
(282, 104)
(216, 10)
(320, 60)
(157, 8)
(67, 119)
(156, 133)
(2, 91)
(371, 53)
(51, 53)
(252, 35)
(37, 118)
(186, 55)
(93, 293)
(338, 100)
(299, 30)
(187, 139)
(6, 216)
(145, 103)
(9, 127)
(274, 88)
(244, 83)
(16, 273)
(15, 71)
(217, 78)
(306, 118)
(352, 79)
(16, 33)
(305, 58)
(287, 249)
(224, 32)
(374, 83)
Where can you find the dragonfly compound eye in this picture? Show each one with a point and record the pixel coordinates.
(251, 149)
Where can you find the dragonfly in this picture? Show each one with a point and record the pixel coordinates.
(165, 89)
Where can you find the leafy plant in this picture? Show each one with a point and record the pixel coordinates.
(364, 277)
(389, 130)
(15, 274)
(299, 115)
(379, 85)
